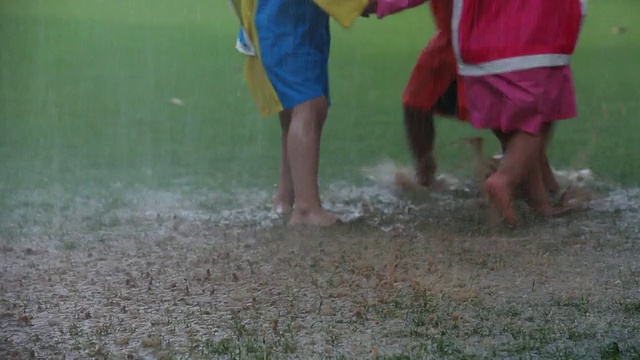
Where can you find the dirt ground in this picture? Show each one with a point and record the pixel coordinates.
(143, 274)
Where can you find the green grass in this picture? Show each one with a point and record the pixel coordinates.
(84, 89)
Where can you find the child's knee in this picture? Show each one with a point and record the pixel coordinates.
(320, 106)
(317, 108)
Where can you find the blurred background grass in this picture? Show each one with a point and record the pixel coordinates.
(84, 90)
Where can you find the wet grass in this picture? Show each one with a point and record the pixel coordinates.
(172, 287)
(177, 286)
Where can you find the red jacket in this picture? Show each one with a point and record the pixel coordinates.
(495, 36)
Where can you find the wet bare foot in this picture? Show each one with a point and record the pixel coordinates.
(546, 212)
(497, 187)
(523, 194)
(540, 205)
(282, 208)
(557, 212)
(283, 203)
(425, 181)
(493, 216)
(570, 201)
(438, 185)
(318, 217)
(425, 171)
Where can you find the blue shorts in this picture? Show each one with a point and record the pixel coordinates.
(294, 42)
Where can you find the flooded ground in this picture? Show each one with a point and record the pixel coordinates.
(138, 273)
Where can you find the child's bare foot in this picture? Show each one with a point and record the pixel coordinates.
(283, 203)
(565, 210)
(538, 192)
(555, 212)
(426, 170)
(318, 217)
(546, 211)
(282, 208)
(497, 187)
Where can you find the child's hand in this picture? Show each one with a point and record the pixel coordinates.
(370, 9)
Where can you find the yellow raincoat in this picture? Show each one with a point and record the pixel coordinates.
(345, 12)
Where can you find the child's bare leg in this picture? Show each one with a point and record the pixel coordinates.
(503, 138)
(537, 192)
(303, 150)
(420, 132)
(522, 149)
(283, 201)
(549, 179)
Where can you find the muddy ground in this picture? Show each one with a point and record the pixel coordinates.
(142, 274)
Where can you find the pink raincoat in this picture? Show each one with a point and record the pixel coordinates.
(514, 58)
